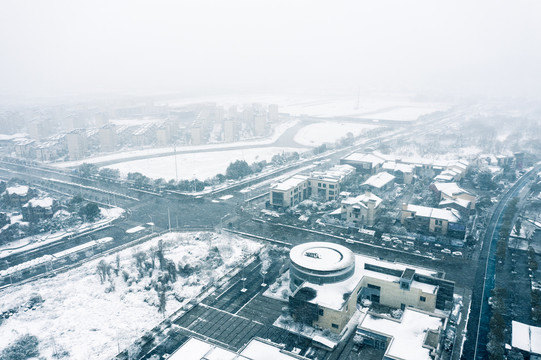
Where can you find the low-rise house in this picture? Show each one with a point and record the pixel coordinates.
(362, 210)
(445, 222)
(379, 182)
(18, 195)
(461, 205)
(403, 172)
(289, 192)
(451, 191)
(38, 209)
(460, 167)
(324, 185)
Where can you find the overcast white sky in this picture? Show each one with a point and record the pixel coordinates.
(50, 47)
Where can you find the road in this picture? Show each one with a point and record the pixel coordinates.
(478, 324)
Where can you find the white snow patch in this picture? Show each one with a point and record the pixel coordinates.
(201, 166)
(80, 317)
(329, 132)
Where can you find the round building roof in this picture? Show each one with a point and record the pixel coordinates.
(322, 256)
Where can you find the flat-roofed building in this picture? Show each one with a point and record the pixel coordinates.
(230, 130)
(77, 144)
(289, 192)
(273, 113)
(327, 280)
(433, 220)
(107, 135)
(325, 185)
(260, 124)
(415, 336)
(255, 349)
(196, 133)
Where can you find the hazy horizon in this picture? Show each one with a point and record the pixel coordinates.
(75, 48)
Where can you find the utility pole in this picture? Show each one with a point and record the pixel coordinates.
(176, 167)
(169, 218)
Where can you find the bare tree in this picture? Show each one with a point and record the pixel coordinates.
(162, 298)
(104, 269)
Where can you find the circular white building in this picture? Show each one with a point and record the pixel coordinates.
(320, 263)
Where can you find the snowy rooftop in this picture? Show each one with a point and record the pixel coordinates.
(461, 202)
(256, 349)
(321, 256)
(450, 215)
(379, 180)
(337, 172)
(262, 350)
(444, 177)
(195, 349)
(20, 190)
(5, 137)
(290, 183)
(44, 203)
(393, 166)
(408, 335)
(331, 295)
(450, 189)
(362, 199)
(362, 157)
(526, 337)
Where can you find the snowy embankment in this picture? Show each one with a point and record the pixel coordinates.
(200, 166)
(91, 320)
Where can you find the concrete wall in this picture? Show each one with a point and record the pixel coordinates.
(392, 295)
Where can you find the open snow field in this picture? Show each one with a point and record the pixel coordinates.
(329, 132)
(197, 165)
(80, 317)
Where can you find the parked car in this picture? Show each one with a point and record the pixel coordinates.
(446, 251)
(457, 253)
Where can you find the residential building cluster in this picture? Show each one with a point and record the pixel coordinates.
(323, 185)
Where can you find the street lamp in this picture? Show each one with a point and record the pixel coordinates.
(151, 223)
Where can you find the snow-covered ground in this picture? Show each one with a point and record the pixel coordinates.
(80, 317)
(35, 241)
(329, 132)
(406, 113)
(197, 165)
(278, 131)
